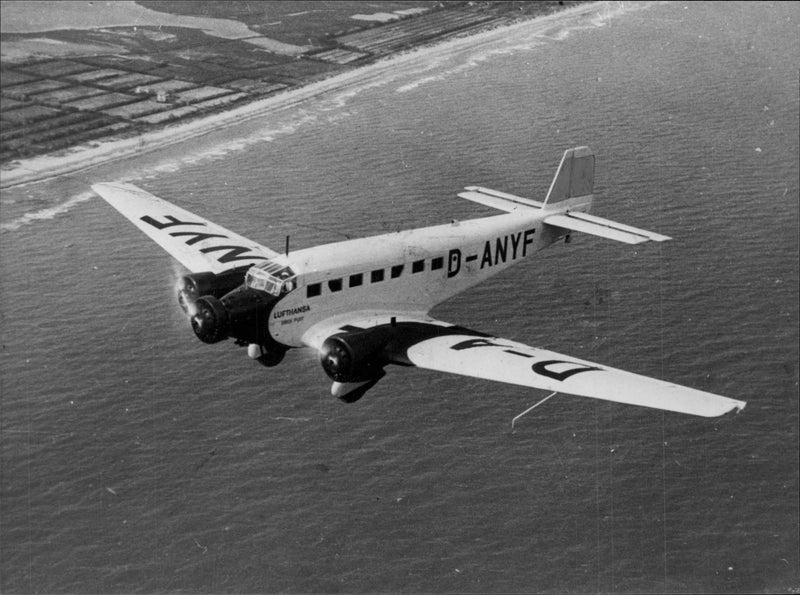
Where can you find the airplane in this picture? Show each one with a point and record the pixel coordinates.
(364, 304)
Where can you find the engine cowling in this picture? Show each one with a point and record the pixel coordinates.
(242, 314)
(356, 356)
(210, 321)
(192, 287)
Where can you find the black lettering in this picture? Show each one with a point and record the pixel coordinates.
(172, 221)
(541, 369)
(472, 343)
(528, 240)
(500, 248)
(292, 312)
(453, 263)
(512, 352)
(199, 236)
(472, 258)
(515, 244)
(487, 255)
(234, 253)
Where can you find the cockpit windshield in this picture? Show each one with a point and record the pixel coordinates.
(272, 277)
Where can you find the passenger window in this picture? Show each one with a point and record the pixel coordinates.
(397, 270)
(314, 290)
(376, 276)
(418, 266)
(356, 280)
(437, 263)
(335, 284)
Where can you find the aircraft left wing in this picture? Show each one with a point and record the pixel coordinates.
(431, 344)
(198, 244)
(497, 359)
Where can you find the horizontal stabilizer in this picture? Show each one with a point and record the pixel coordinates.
(604, 228)
(499, 200)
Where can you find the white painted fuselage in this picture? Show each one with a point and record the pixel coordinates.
(407, 272)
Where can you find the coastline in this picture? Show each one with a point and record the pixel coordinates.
(81, 157)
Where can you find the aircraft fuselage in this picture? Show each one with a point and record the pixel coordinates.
(411, 270)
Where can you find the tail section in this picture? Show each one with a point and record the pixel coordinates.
(574, 178)
(568, 202)
(570, 199)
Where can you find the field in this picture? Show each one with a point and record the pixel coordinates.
(136, 78)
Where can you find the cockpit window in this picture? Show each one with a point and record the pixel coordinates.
(272, 277)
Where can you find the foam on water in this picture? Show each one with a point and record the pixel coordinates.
(47, 213)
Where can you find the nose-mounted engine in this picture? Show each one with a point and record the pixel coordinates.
(242, 314)
(235, 303)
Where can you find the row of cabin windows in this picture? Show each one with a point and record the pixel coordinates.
(376, 276)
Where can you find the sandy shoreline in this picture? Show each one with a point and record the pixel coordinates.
(73, 160)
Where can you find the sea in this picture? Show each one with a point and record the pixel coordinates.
(135, 459)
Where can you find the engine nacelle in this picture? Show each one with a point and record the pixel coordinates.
(356, 356)
(192, 287)
(210, 321)
(242, 314)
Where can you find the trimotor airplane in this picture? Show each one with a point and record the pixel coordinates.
(363, 304)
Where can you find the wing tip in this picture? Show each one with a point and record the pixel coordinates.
(104, 188)
(733, 405)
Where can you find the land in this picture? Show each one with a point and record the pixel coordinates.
(62, 92)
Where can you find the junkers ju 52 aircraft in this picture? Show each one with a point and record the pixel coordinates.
(363, 304)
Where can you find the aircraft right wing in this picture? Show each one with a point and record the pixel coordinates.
(198, 244)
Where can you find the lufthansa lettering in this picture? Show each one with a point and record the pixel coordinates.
(291, 311)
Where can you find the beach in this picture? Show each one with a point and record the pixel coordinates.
(75, 159)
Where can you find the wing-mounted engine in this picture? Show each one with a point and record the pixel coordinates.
(356, 356)
(355, 359)
(192, 287)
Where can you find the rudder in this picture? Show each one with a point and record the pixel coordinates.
(575, 176)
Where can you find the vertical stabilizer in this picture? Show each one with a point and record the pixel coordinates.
(575, 176)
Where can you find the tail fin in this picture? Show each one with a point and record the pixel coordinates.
(574, 178)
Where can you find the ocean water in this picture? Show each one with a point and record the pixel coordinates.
(136, 459)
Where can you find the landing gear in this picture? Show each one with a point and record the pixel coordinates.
(265, 357)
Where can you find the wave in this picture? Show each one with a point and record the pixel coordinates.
(223, 149)
(47, 213)
(530, 41)
(333, 107)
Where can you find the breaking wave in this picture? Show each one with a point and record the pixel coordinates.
(47, 213)
(527, 40)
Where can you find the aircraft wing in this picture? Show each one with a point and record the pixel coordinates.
(508, 361)
(198, 244)
(435, 345)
